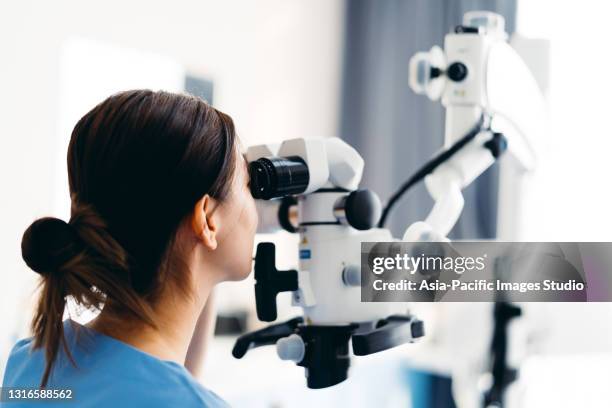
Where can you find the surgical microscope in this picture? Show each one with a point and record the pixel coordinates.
(320, 177)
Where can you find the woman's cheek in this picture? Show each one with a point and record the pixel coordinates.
(252, 222)
(255, 214)
(243, 237)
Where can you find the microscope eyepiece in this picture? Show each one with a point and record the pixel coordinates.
(278, 177)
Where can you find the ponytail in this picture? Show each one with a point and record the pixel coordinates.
(79, 259)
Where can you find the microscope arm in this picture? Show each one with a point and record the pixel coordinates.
(478, 72)
(445, 183)
(448, 205)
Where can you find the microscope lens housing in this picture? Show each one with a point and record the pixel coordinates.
(277, 177)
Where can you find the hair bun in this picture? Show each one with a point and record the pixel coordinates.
(49, 243)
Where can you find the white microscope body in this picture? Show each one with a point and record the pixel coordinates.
(328, 245)
(321, 177)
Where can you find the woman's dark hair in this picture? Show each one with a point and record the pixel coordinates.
(137, 165)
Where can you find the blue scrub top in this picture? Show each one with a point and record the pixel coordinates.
(108, 373)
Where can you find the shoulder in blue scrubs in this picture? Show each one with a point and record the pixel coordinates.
(108, 373)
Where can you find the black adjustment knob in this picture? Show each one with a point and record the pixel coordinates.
(361, 209)
(435, 72)
(498, 144)
(269, 281)
(457, 71)
(389, 332)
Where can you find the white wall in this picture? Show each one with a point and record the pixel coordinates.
(275, 66)
(571, 200)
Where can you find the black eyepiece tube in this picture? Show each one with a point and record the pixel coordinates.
(277, 177)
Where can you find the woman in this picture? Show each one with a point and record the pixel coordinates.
(161, 213)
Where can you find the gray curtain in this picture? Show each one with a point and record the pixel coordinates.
(395, 130)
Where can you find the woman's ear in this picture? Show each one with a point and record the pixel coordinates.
(204, 223)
